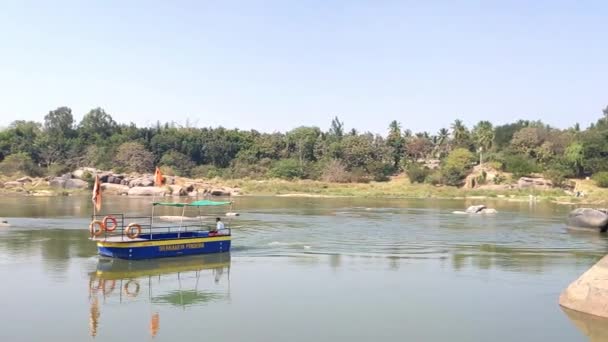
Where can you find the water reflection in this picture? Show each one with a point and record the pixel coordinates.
(594, 327)
(178, 282)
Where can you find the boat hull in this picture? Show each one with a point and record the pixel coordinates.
(150, 249)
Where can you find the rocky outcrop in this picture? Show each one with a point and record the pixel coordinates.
(24, 180)
(69, 183)
(177, 190)
(588, 219)
(13, 185)
(57, 182)
(115, 189)
(589, 293)
(534, 183)
(481, 175)
(171, 185)
(147, 191)
(75, 184)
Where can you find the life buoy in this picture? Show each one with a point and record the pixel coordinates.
(133, 234)
(114, 223)
(128, 291)
(96, 232)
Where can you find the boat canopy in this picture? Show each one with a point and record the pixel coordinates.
(201, 203)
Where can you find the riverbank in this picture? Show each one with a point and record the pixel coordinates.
(397, 187)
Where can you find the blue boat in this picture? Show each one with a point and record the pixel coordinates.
(134, 238)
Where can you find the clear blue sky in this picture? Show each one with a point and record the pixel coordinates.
(275, 65)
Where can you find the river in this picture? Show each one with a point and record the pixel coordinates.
(301, 269)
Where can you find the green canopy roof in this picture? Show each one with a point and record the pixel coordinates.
(201, 203)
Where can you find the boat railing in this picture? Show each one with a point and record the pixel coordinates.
(148, 227)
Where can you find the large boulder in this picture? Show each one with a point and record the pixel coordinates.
(474, 209)
(147, 191)
(24, 180)
(589, 293)
(220, 192)
(79, 173)
(115, 189)
(13, 185)
(534, 183)
(588, 219)
(57, 182)
(75, 184)
(142, 181)
(177, 190)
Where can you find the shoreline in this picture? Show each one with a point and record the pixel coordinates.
(389, 190)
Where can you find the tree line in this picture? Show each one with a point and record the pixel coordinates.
(59, 144)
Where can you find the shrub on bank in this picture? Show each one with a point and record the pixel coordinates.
(417, 173)
(601, 179)
(286, 169)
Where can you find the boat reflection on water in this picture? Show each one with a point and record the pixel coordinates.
(178, 282)
(594, 327)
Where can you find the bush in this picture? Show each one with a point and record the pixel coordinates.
(520, 166)
(207, 171)
(556, 176)
(601, 179)
(19, 163)
(88, 177)
(499, 179)
(57, 170)
(433, 178)
(417, 173)
(286, 169)
(335, 172)
(256, 170)
(380, 171)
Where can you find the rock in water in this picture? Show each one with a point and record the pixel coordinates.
(474, 209)
(588, 218)
(488, 211)
(589, 293)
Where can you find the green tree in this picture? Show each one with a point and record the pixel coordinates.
(396, 142)
(337, 129)
(55, 140)
(456, 166)
(96, 126)
(575, 156)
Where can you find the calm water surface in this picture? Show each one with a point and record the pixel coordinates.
(300, 270)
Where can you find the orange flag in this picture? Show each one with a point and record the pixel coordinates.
(158, 177)
(97, 194)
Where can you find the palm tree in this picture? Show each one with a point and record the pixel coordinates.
(483, 133)
(443, 147)
(460, 133)
(443, 135)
